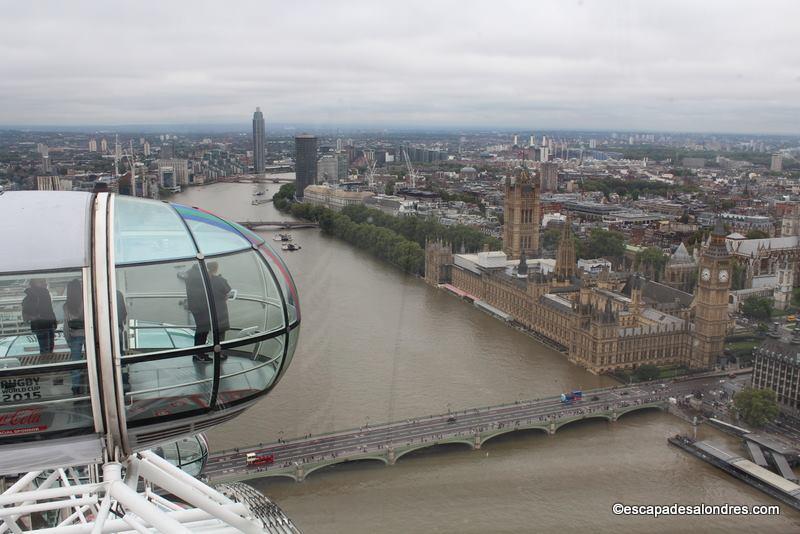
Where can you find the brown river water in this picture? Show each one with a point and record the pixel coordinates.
(378, 345)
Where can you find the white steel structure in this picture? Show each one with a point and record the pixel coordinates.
(369, 157)
(128, 324)
(412, 175)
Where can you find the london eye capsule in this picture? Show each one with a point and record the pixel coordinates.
(127, 323)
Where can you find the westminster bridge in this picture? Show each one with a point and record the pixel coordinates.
(472, 427)
(279, 224)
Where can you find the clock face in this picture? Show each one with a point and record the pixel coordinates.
(723, 275)
(706, 275)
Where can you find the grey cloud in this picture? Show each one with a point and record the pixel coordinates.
(684, 65)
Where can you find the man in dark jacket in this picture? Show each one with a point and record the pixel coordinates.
(219, 292)
(198, 305)
(37, 309)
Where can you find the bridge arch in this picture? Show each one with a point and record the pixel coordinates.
(638, 408)
(338, 461)
(428, 444)
(262, 474)
(585, 417)
(503, 431)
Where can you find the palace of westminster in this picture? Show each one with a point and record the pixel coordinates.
(603, 322)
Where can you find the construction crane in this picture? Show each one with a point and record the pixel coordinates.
(369, 157)
(412, 176)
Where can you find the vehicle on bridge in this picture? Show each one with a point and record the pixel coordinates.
(260, 459)
(569, 398)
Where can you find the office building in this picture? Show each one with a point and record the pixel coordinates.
(334, 198)
(305, 168)
(180, 170)
(328, 169)
(549, 174)
(258, 142)
(776, 165)
(777, 367)
(92, 145)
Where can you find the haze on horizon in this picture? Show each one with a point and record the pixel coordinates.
(622, 64)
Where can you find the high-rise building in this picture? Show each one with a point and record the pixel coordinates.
(305, 162)
(776, 165)
(146, 148)
(711, 301)
(92, 145)
(777, 367)
(104, 146)
(341, 159)
(521, 214)
(549, 174)
(258, 142)
(516, 143)
(328, 169)
(178, 170)
(544, 153)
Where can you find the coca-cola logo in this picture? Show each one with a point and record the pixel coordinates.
(25, 416)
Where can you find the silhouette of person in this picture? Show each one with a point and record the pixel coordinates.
(37, 309)
(219, 292)
(74, 329)
(197, 303)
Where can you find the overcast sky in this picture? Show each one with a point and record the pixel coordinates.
(640, 65)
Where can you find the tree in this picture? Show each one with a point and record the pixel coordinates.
(652, 261)
(756, 234)
(603, 244)
(647, 372)
(756, 407)
(757, 308)
(550, 238)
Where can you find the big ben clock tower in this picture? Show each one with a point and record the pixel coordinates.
(711, 302)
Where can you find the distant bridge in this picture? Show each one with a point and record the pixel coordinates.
(255, 178)
(280, 224)
(473, 427)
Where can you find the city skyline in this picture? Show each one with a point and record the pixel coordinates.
(587, 66)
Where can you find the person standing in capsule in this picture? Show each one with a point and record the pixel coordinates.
(74, 329)
(37, 309)
(197, 303)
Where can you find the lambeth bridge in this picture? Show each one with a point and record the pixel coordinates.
(279, 224)
(473, 427)
(260, 178)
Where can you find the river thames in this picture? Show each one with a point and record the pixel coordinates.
(378, 345)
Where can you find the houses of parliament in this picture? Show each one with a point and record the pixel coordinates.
(604, 322)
